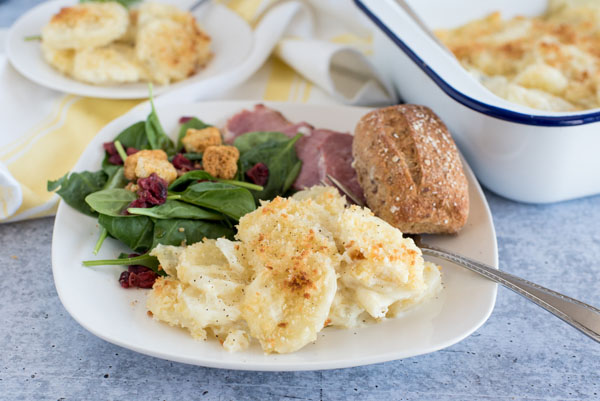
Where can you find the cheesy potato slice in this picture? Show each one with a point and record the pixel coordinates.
(433, 285)
(169, 43)
(86, 25)
(379, 265)
(62, 60)
(203, 292)
(327, 204)
(115, 63)
(288, 302)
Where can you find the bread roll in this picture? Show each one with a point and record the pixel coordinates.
(410, 170)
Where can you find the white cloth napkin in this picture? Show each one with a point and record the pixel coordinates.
(300, 33)
(325, 42)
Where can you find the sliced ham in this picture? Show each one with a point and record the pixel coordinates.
(322, 151)
(308, 149)
(262, 118)
(336, 159)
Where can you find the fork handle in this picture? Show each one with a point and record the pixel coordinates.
(582, 316)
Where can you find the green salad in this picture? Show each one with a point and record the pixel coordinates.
(142, 212)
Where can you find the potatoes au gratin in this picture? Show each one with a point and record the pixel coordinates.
(105, 43)
(298, 265)
(550, 62)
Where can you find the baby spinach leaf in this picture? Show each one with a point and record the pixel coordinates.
(250, 140)
(282, 161)
(178, 231)
(110, 202)
(108, 168)
(189, 156)
(133, 136)
(289, 180)
(157, 137)
(200, 175)
(193, 156)
(74, 187)
(172, 209)
(191, 176)
(147, 260)
(116, 179)
(192, 123)
(228, 199)
(134, 231)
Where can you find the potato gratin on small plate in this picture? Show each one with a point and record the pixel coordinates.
(254, 311)
(105, 50)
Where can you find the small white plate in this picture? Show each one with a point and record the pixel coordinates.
(94, 298)
(231, 36)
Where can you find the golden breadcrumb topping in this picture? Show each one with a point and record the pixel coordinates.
(104, 43)
(549, 62)
(298, 265)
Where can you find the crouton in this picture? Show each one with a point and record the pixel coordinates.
(131, 161)
(197, 140)
(221, 161)
(147, 165)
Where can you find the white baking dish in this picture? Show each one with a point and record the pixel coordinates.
(521, 153)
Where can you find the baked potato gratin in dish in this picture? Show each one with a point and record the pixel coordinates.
(550, 62)
(298, 264)
(105, 43)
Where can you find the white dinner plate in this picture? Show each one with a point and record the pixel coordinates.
(232, 41)
(94, 298)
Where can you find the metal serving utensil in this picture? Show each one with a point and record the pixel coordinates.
(582, 316)
(197, 4)
(422, 25)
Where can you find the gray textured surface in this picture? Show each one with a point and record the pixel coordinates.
(10, 10)
(521, 353)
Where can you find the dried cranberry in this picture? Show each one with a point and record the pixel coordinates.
(124, 279)
(115, 159)
(138, 203)
(144, 280)
(180, 162)
(113, 155)
(110, 148)
(152, 190)
(258, 174)
(184, 119)
(137, 269)
(137, 276)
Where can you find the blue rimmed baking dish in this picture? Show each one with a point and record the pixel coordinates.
(518, 152)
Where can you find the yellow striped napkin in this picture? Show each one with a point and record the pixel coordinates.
(56, 128)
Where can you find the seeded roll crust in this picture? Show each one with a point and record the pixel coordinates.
(410, 171)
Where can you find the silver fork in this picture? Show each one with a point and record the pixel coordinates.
(196, 4)
(582, 316)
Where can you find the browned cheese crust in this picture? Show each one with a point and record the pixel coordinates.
(410, 170)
